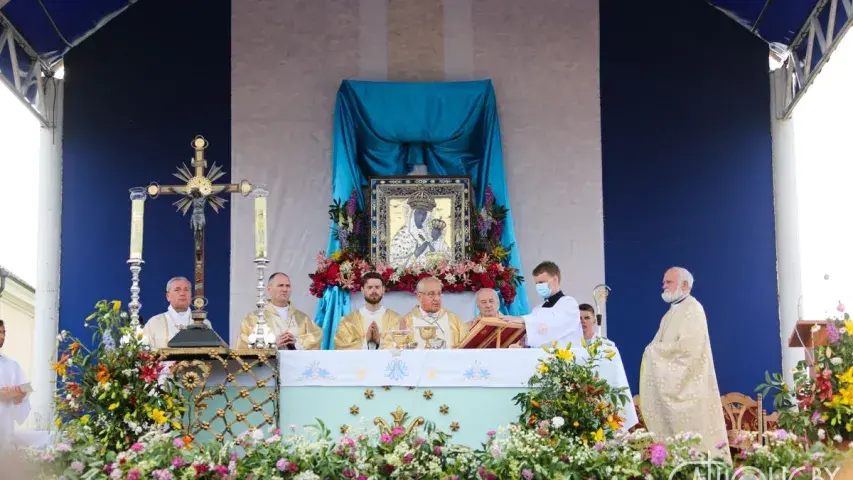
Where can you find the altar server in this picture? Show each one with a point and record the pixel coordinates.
(678, 382)
(161, 328)
(558, 318)
(588, 322)
(293, 329)
(14, 402)
(363, 328)
(449, 329)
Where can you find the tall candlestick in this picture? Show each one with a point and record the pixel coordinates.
(260, 193)
(137, 213)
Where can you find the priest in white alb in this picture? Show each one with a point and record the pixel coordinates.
(292, 328)
(161, 328)
(678, 382)
(429, 318)
(364, 328)
(557, 319)
(14, 402)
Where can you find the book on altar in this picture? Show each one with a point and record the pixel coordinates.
(492, 332)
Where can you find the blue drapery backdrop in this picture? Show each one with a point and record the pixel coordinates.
(388, 128)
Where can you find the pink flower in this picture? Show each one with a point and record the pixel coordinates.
(385, 438)
(490, 433)
(163, 474)
(437, 450)
(658, 454)
(178, 462)
(77, 467)
(282, 464)
(134, 474)
(419, 441)
(840, 307)
(527, 474)
(178, 442)
(408, 458)
(137, 447)
(397, 431)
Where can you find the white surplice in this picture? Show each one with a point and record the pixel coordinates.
(558, 321)
(11, 375)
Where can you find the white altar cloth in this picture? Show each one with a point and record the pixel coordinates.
(487, 368)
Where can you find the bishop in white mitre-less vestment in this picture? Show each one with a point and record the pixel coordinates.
(678, 382)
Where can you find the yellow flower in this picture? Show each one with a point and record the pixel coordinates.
(176, 425)
(543, 368)
(337, 255)
(113, 406)
(846, 377)
(116, 305)
(576, 424)
(598, 436)
(158, 416)
(84, 419)
(848, 325)
(613, 423)
(824, 417)
(610, 354)
(565, 354)
(849, 427)
(57, 422)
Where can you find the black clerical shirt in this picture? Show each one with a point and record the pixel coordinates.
(553, 299)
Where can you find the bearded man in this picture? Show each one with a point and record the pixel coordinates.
(365, 327)
(678, 382)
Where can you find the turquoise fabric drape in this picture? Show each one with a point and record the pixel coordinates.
(386, 128)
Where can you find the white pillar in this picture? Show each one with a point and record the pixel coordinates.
(788, 270)
(47, 271)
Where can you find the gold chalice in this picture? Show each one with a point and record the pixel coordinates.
(401, 338)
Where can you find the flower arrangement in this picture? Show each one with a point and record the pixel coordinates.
(568, 397)
(344, 270)
(819, 408)
(487, 267)
(511, 452)
(112, 393)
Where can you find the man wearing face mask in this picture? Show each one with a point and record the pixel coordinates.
(558, 318)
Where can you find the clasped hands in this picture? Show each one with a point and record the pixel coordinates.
(373, 334)
(286, 341)
(12, 394)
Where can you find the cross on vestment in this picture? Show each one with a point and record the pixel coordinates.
(198, 192)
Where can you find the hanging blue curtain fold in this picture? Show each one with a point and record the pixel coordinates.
(387, 128)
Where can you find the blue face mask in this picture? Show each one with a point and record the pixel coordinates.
(543, 290)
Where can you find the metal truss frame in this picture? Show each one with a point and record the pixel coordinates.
(26, 85)
(824, 29)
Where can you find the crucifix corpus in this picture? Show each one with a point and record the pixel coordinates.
(198, 192)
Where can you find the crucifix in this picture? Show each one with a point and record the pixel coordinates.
(198, 192)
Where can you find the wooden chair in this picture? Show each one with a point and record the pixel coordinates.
(741, 414)
(640, 424)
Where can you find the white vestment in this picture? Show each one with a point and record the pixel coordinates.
(560, 322)
(439, 320)
(368, 317)
(11, 375)
(161, 328)
(678, 382)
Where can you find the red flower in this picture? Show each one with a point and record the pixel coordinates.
(332, 274)
(150, 373)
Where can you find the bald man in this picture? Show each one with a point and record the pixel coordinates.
(678, 383)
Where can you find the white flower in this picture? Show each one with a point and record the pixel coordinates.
(257, 435)
(306, 475)
(836, 360)
(821, 434)
(837, 439)
(125, 339)
(558, 422)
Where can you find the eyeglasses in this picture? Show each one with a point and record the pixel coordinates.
(430, 294)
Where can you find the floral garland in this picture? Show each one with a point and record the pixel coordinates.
(487, 267)
(112, 392)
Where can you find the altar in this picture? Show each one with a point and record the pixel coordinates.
(464, 392)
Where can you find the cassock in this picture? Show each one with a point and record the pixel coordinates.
(448, 327)
(678, 382)
(352, 329)
(161, 328)
(557, 319)
(283, 319)
(11, 375)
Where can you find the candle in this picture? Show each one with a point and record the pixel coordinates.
(137, 212)
(260, 193)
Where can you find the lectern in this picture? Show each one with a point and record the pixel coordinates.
(492, 332)
(804, 337)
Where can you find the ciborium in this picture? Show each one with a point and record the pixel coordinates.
(429, 338)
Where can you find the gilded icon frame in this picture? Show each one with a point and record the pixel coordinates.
(390, 201)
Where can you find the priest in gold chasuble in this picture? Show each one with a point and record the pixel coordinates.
(364, 328)
(430, 326)
(678, 382)
(293, 329)
(161, 328)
